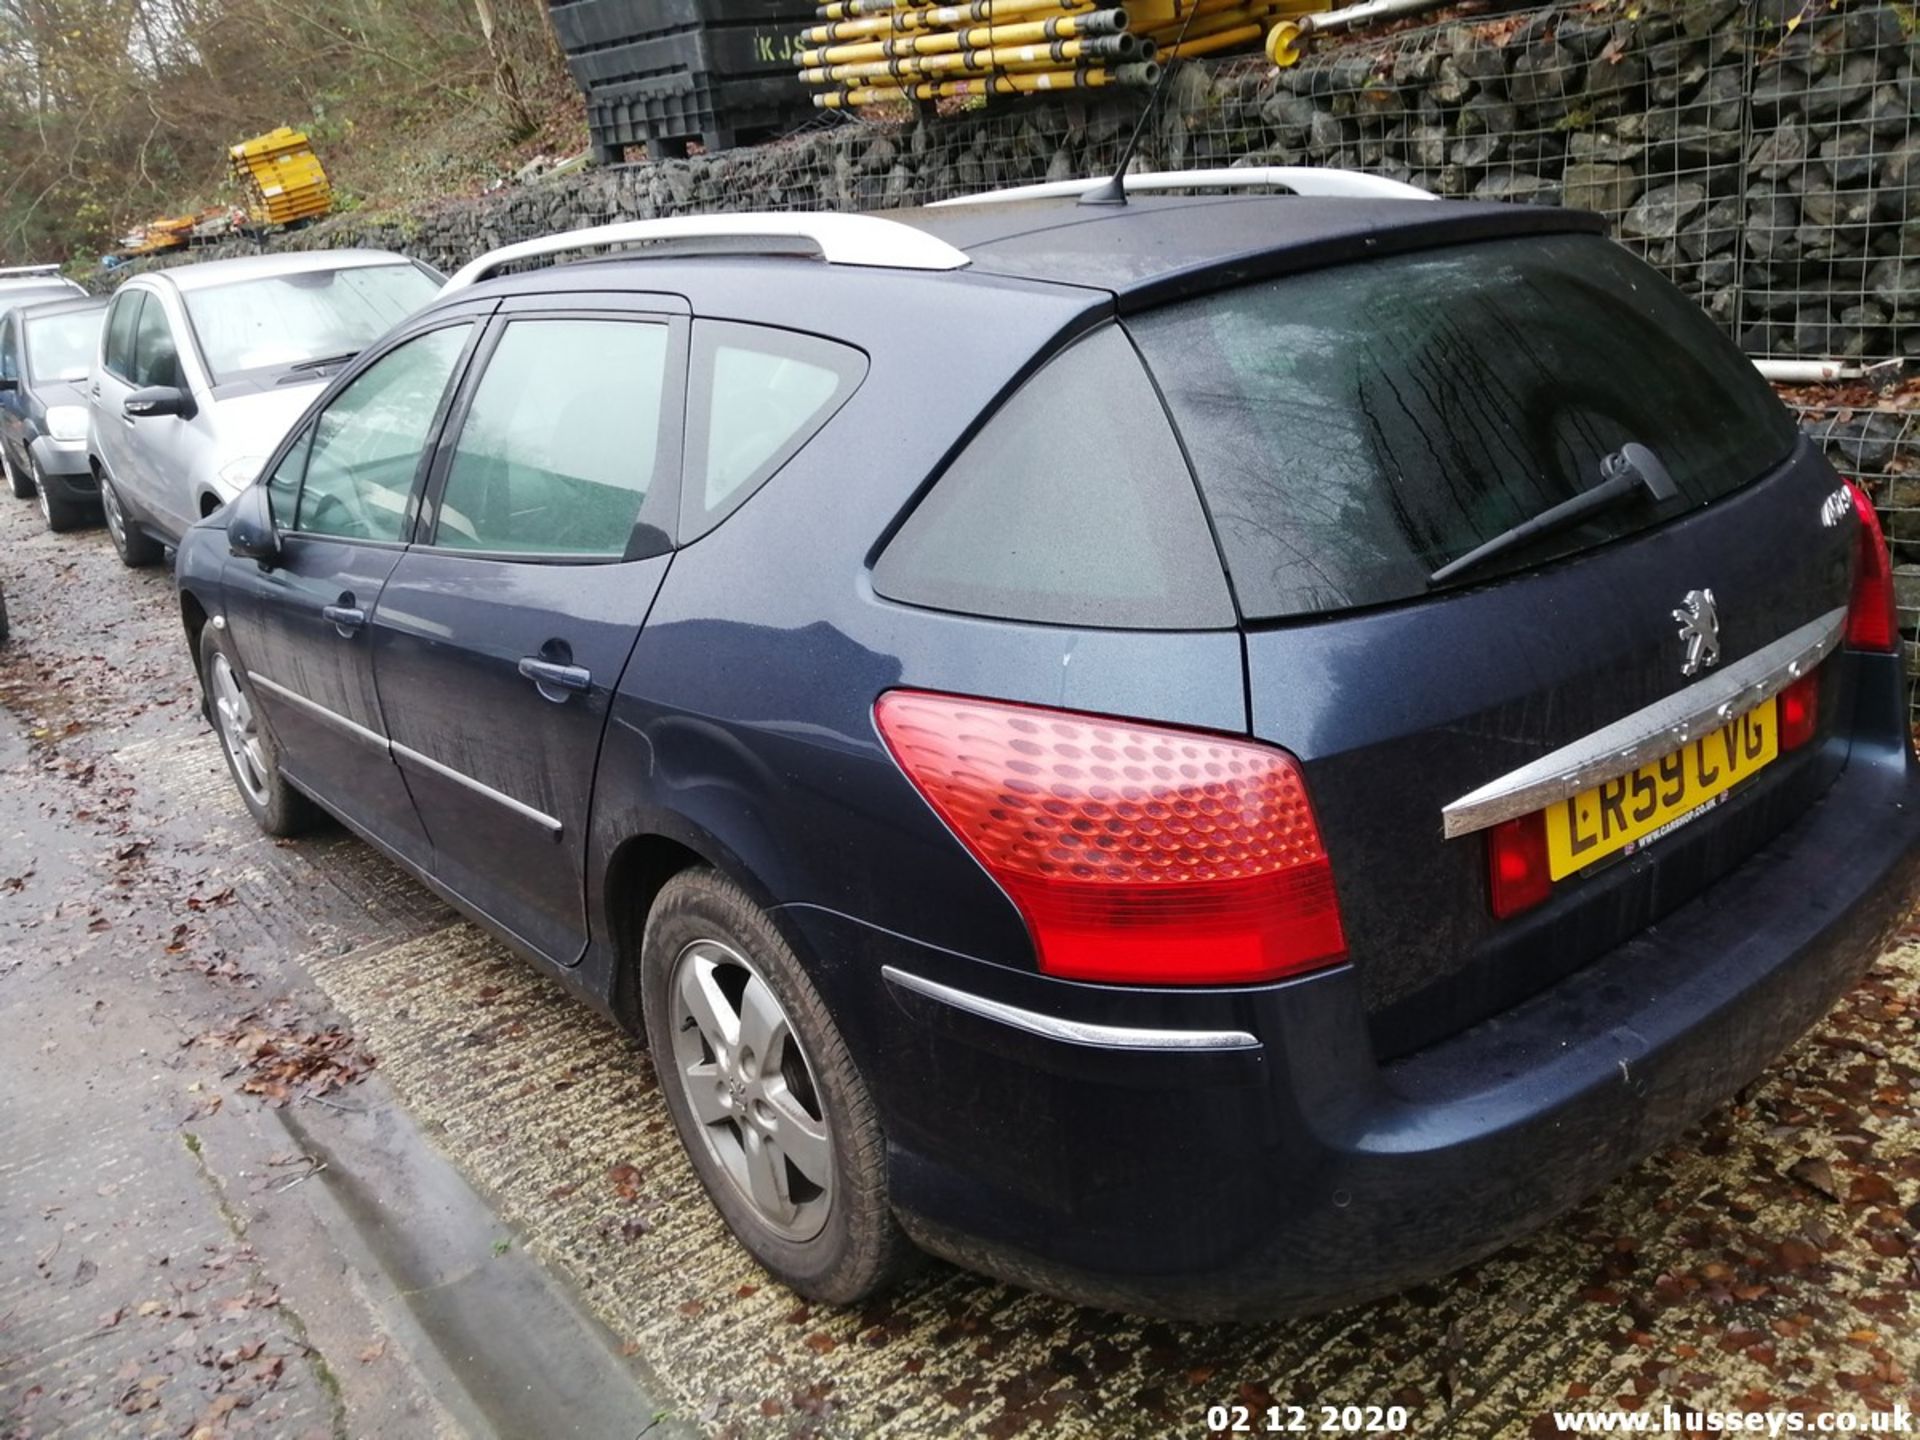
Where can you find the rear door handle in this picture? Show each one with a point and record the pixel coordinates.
(345, 618)
(555, 681)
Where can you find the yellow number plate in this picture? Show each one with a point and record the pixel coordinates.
(1618, 813)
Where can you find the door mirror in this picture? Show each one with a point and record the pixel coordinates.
(251, 533)
(157, 400)
(7, 382)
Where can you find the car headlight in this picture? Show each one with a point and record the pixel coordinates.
(240, 472)
(67, 422)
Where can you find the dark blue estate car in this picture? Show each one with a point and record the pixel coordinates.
(1215, 756)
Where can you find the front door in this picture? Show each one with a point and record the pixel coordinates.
(344, 497)
(499, 644)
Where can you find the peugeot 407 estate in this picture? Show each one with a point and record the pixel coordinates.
(1217, 756)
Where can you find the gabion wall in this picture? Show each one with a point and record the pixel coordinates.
(1761, 154)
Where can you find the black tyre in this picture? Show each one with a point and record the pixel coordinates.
(135, 547)
(60, 514)
(22, 484)
(776, 1119)
(252, 759)
(3, 614)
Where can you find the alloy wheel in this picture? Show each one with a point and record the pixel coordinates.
(239, 732)
(751, 1089)
(116, 522)
(40, 493)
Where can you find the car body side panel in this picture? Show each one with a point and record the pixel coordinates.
(744, 726)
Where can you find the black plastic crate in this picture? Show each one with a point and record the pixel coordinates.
(593, 24)
(720, 114)
(672, 71)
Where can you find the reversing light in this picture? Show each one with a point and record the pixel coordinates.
(1799, 711)
(1136, 854)
(1871, 622)
(1517, 874)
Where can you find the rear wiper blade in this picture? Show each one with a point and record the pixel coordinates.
(323, 361)
(1623, 474)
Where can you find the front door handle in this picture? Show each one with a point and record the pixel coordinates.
(555, 681)
(345, 618)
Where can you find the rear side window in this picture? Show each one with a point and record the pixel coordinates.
(121, 318)
(560, 446)
(1356, 428)
(1073, 505)
(758, 396)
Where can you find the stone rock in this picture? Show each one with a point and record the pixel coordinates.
(1781, 152)
(1659, 214)
(1543, 76)
(1610, 189)
(1603, 147)
(1518, 186)
(1290, 117)
(1863, 442)
(1895, 283)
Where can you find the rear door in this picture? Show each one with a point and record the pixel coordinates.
(1355, 429)
(345, 494)
(499, 641)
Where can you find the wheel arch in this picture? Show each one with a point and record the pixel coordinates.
(638, 867)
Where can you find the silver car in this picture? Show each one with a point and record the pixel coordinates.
(203, 368)
(34, 285)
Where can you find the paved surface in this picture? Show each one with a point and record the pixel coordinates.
(1772, 1259)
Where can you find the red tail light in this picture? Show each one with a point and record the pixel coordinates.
(1871, 623)
(1135, 853)
(1799, 711)
(1517, 873)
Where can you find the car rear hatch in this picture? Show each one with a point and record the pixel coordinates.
(1354, 430)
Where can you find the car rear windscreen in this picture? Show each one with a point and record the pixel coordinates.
(1356, 428)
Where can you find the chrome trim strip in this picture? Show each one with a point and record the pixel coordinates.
(459, 777)
(1648, 734)
(317, 710)
(1072, 1032)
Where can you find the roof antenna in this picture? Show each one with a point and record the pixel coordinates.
(1113, 190)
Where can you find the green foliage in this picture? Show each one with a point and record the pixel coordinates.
(116, 112)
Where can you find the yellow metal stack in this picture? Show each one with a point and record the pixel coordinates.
(868, 52)
(282, 176)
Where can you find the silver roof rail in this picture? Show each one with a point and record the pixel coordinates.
(1300, 179)
(836, 239)
(29, 270)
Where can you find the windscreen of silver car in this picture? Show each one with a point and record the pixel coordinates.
(258, 327)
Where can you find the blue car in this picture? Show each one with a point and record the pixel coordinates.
(1218, 756)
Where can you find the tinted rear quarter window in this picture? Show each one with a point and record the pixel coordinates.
(1072, 505)
(1353, 429)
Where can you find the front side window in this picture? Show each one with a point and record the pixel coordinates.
(759, 395)
(1073, 505)
(122, 316)
(61, 347)
(9, 350)
(368, 442)
(283, 485)
(559, 448)
(156, 360)
(283, 321)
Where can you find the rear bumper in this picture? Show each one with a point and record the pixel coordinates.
(1298, 1173)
